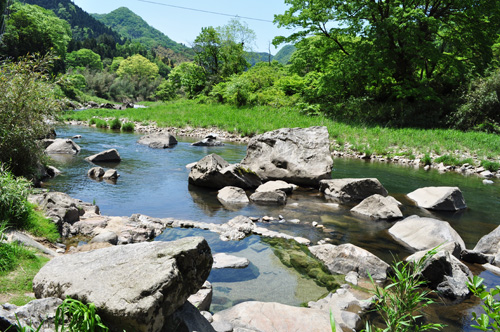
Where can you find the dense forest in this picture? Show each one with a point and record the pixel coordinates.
(420, 64)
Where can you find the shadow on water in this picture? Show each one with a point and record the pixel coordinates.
(154, 182)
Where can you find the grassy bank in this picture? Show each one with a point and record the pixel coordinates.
(254, 120)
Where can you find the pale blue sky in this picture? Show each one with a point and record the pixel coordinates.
(184, 25)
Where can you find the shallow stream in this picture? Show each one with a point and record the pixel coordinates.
(154, 182)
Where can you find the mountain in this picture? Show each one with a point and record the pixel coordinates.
(285, 54)
(254, 57)
(83, 25)
(132, 26)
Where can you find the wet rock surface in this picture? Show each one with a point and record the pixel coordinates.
(439, 198)
(351, 189)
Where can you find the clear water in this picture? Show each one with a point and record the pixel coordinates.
(154, 182)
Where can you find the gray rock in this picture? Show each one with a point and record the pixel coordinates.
(476, 257)
(237, 229)
(225, 261)
(18, 237)
(135, 286)
(439, 198)
(52, 171)
(445, 273)
(106, 236)
(232, 195)
(158, 140)
(426, 233)
(202, 299)
(296, 155)
(110, 155)
(208, 141)
(347, 257)
(214, 172)
(378, 207)
(34, 313)
(276, 185)
(271, 316)
(486, 174)
(63, 146)
(95, 172)
(111, 174)
(269, 197)
(351, 190)
(490, 243)
(487, 182)
(187, 319)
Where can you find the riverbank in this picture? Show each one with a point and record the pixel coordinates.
(443, 149)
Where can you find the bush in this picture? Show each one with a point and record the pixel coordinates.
(27, 100)
(128, 126)
(490, 165)
(80, 317)
(14, 208)
(115, 124)
(490, 320)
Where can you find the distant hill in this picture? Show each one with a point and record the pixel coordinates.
(285, 54)
(254, 57)
(83, 25)
(132, 26)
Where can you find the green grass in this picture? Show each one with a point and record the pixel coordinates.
(128, 126)
(249, 121)
(115, 124)
(40, 226)
(453, 161)
(490, 165)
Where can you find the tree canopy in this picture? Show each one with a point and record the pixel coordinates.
(84, 58)
(138, 67)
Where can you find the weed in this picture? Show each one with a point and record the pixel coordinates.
(128, 126)
(99, 123)
(81, 317)
(115, 124)
(427, 160)
(490, 165)
(490, 320)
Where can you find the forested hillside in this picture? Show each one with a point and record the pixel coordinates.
(132, 26)
(284, 55)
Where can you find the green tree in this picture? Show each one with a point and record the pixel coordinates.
(26, 102)
(138, 67)
(406, 49)
(84, 58)
(31, 29)
(188, 77)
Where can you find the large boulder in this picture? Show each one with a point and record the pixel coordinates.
(296, 155)
(214, 172)
(136, 286)
(439, 198)
(378, 207)
(445, 273)
(351, 189)
(347, 257)
(63, 146)
(35, 313)
(158, 140)
(271, 316)
(186, 319)
(420, 233)
(232, 195)
(490, 243)
(110, 155)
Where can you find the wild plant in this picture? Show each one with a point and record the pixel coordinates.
(490, 320)
(80, 317)
(401, 302)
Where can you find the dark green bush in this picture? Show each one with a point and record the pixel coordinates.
(115, 124)
(490, 165)
(128, 126)
(14, 207)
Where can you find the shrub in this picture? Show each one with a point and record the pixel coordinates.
(80, 317)
(490, 165)
(490, 320)
(14, 208)
(115, 124)
(27, 100)
(99, 123)
(128, 126)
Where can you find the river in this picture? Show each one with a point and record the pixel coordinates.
(154, 182)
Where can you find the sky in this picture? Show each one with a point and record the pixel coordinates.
(183, 25)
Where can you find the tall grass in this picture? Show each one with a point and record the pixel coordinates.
(249, 121)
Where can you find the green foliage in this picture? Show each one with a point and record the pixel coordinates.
(84, 58)
(166, 91)
(490, 320)
(115, 124)
(400, 303)
(115, 64)
(127, 126)
(26, 102)
(32, 29)
(138, 67)
(81, 317)
(284, 55)
(189, 78)
(451, 160)
(14, 208)
(490, 165)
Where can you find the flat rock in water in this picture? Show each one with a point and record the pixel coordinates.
(419, 233)
(110, 155)
(276, 185)
(136, 286)
(63, 146)
(352, 189)
(378, 207)
(347, 257)
(269, 197)
(232, 195)
(439, 198)
(225, 261)
(296, 155)
(158, 140)
(271, 316)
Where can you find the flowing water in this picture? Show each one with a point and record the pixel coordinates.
(154, 182)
